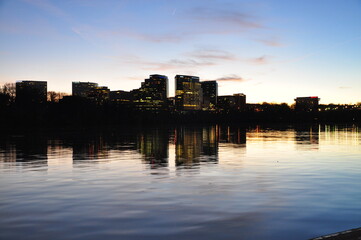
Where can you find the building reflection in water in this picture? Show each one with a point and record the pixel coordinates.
(341, 134)
(7, 151)
(195, 144)
(89, 147)
(153, 145)
(209, 144)
(307, 137)
(232, 134)
(30, 150)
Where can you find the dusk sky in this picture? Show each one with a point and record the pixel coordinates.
(270, 50)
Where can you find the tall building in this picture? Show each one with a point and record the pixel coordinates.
(83, 89)
(210, 94)
(232, 102)
(307, 104)
(153, 93)
(28, 92)
(188, 95)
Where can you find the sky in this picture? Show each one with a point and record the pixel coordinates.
(272, 51)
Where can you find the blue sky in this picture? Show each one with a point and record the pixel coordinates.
(271, 51)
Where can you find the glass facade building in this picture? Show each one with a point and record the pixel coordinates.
(153, 94)
(188, 95)
(210, 94)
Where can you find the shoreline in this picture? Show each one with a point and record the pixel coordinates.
(352, 234)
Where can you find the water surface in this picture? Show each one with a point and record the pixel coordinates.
(186, 182)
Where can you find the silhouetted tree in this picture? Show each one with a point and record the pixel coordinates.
(53, 96)
(8, 90)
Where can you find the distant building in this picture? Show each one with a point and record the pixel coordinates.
(99, 94)
(240, 100)
(119, 96)
(153, 94)
(210, 94)
(91, 91)
(28, 92)
(188, 95)
(307, 104)
(232, 102)
(83, 89)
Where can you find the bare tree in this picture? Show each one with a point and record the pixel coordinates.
(55, 96)
(9, 89)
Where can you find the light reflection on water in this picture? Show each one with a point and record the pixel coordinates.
(189, 182)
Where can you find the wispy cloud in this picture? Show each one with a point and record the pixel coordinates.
(180, 64)
(212, 54)
(192, 23)
(228, 18)
(344, 87)
(231, 78)
(217, 56)
(135, 78)
(156, 38)
(259, 60)
(192, 61)
(271, 42)
(176, 64)
(49, 7)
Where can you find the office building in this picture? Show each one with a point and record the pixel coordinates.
(28, 92)
(91, 91)
(232, 102)
(240, 100)
(99, 94)
(119, 96)
(153, 93)
(188, 95)
(210, 94)
(307, 104)
(83, 89)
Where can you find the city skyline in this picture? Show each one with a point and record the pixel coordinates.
(169, 95)
(272, 51)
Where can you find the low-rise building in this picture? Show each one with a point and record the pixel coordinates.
(28, 92)
(307, 104)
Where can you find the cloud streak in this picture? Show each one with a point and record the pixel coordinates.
(229, 18)
(231, 78)
(172, 64)
(176, 64)
(48, 7)
(262, 60)
(270, 42)
(192, 23)
(216, 55)
(212, 54)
